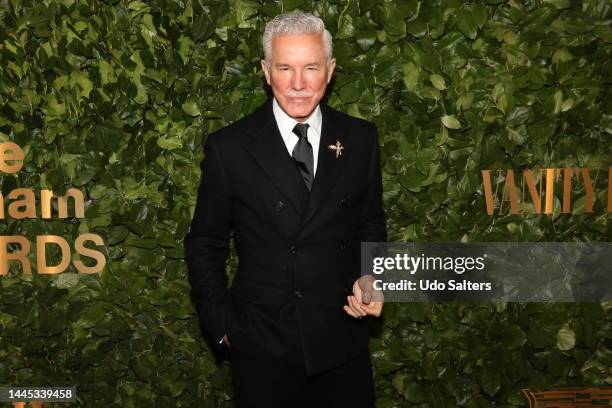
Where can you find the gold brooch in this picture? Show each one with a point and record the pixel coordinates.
(337, 148)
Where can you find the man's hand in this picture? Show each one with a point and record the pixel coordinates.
(225, 340)
(365, 300)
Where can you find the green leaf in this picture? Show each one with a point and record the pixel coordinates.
(169, 143)
(512, 336)
(424, 158)
(191, 108)
(567, 104)
(438, 81)
(417, 28)
(412, 179)
(517, 135)
(394, 24)
(345, 27)
(467, 24)
(518, 115)
(184, 49)
(350, 92)
(451, 122)
(107, 73)
(604, 32)
(416, 311)
(490, 381)
(365, 39)
(414, 393)
(118, 235)
(92, 315)
(479, 13)
(67, 280)
(566, 338)
(411, 75)
(399, 382)
(82, 80)
(559, 4)
(558, 97)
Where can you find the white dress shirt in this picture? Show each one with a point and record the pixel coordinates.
(286, 124)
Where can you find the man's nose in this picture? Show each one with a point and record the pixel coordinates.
(297, 81)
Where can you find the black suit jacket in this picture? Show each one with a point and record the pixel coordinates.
(298, 252)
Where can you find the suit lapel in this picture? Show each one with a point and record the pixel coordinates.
(329, 167)
(269, 151)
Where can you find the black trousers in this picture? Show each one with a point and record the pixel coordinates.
(263, 383)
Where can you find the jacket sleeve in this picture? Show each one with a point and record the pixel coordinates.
(371, 226)
(207, 245)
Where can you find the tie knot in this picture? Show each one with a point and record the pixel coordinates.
(301, 130)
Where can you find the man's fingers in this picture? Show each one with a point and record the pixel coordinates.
(354, 304)
(374, 308)
(354, 307)
(350, 311)
(357, 310)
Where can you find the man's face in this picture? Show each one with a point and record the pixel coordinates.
(298, 73)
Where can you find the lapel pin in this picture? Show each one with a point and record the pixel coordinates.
(336, 148)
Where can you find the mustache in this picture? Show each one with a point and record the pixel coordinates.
(300, 94)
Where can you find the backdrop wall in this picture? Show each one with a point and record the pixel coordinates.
(114, 98)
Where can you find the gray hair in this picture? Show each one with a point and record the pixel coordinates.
(295, 22)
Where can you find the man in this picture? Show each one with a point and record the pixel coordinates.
(299, 185)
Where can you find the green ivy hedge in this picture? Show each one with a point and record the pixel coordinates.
(115, 97)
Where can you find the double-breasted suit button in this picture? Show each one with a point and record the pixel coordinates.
(293, 250)
(298, 294)
(279, 206)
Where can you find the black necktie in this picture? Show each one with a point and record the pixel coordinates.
(302, 154)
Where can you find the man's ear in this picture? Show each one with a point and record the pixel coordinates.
(266, 71)
(331, 65)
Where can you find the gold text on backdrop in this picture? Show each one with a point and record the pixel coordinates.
(541, 186)
(22, 204)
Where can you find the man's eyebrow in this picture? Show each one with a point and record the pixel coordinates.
(310, 64)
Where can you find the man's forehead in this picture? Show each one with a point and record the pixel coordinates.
(298, 46)
(287, 39)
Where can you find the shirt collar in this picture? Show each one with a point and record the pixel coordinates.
(286, 123)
